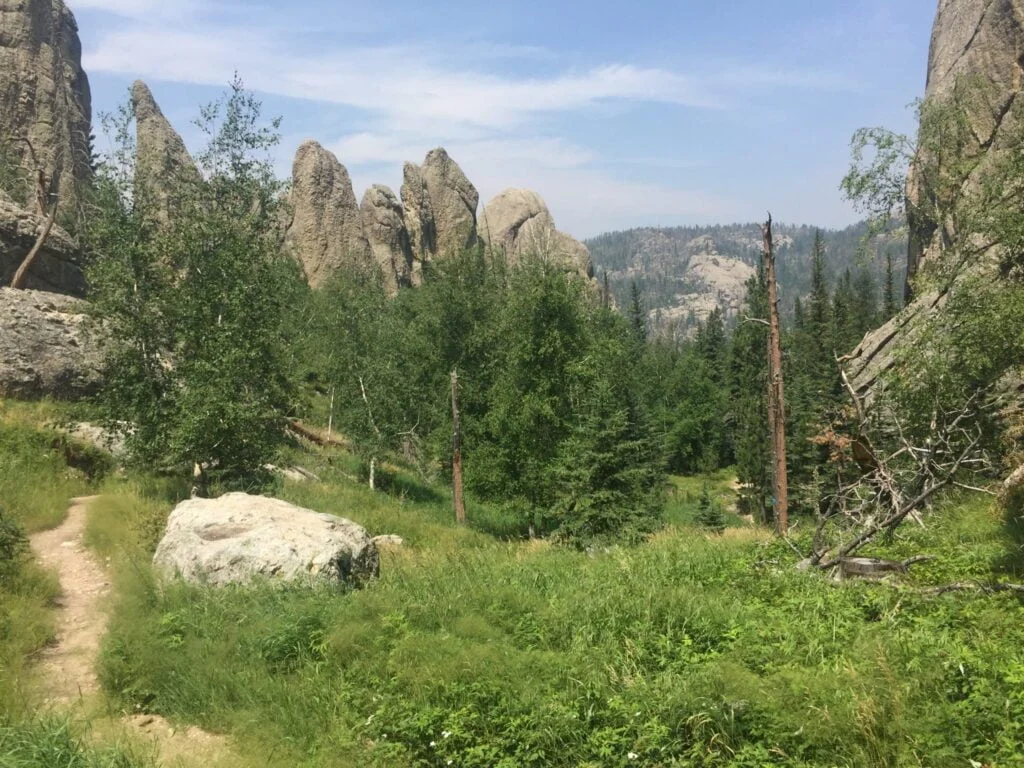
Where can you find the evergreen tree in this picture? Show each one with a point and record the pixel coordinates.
(865, 305)
(608, 474)
(709, 511)
(748, 407)
(889, 305)
(637, 312)
(844, 336)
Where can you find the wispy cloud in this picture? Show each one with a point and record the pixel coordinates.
(489, 103)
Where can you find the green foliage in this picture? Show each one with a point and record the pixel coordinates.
(194, 288)
(686, 651)
(608, 478)
(13, 547)
(47, 743)
(710, 514)
(544, 371)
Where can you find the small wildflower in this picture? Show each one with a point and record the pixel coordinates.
(433, 743)
(632, 756)
(445, 734)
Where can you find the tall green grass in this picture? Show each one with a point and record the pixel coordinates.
(686, 651)
(52, 743)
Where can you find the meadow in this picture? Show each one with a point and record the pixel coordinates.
(472, 649)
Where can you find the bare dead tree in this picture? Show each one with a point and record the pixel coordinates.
(884, 474)
(41, 194)
(776, 390)
(459, 501)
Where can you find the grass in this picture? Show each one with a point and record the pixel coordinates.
(35, 486)
(53, 743)
(690, 650)
(476, 648)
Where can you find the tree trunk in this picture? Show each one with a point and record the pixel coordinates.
(776, 391)
(460, 505)
(22, 273)
(373, 473)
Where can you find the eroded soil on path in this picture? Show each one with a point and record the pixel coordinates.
(67, 667)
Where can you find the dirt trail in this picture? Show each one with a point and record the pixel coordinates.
(68, 665)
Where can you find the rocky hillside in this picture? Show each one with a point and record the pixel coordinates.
(976, 45)
(684, 273)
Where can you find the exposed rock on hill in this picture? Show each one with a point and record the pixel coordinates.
(977, 45)
(518, 222)
(453, 201)
(419, 219)
(685, 273)
(384, 227)
(57, 268)
(44, 94)
(162, 161)
(239, 538)
(326, 233)
(47, 349)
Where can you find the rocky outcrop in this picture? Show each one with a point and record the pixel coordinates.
(519, 223)
(44, 95)
(48, 348)
(440, 205)
(977, 51)
(977, 48)
(384, 228)
(326, 232)
(238, 539)
(162, 162)
(59, 265)
(419, 219)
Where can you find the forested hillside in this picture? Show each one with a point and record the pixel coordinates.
(683, 273)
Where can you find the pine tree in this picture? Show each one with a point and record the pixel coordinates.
(637, 312)
(889, 306)
(864, 315)
(748, 407)
(709, 511)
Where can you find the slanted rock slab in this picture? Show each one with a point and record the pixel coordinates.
(239, 538)
(47, 347)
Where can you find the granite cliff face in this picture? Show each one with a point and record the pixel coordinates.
(326, 233)
(519, 223)
(45, 100)
(435, 219)
(162, 162)
(977, 46)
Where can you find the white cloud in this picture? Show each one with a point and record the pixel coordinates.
(140, 8)
(413, 97)
(406, 83)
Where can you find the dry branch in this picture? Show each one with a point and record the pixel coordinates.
(22, 274)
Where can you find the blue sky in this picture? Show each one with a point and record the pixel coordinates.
(618, 114)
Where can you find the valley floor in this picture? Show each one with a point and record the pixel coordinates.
(693, 649)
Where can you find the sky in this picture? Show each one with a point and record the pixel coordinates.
(647, 113)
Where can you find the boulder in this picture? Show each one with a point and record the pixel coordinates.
(519, 223)
(326, 232)
(58, 268)
(45, 96)
(384, 227)
(48, 347)
(239, 538)
(162, 162)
